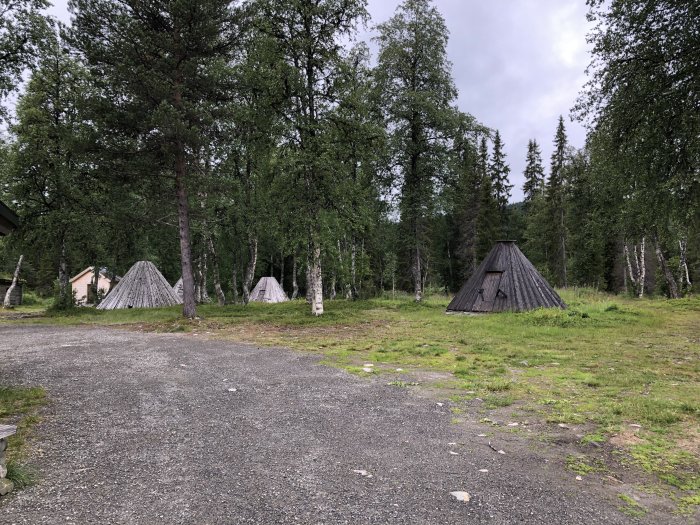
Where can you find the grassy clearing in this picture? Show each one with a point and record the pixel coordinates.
(19, 406)
(606, 362)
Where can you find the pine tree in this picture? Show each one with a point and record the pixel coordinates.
(162, 70)
(534, 172)
(498, 172)
(417, 90)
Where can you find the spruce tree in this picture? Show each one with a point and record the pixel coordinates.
(498, 172)
(555, 202)
(487, 224)
(534, 172)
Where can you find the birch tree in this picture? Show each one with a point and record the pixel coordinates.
(309, 34)
(643, 95)
(415, 81)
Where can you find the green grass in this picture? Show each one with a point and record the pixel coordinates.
(606, 361)
(631, 507)
(19, 406)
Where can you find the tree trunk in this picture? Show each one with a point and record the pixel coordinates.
(234, 280)
(668, 275)
(64, 292)
(417, 275)
(220, 296)
(295, 284)
(316, 279)
(250, 268)
(642, 274)
(95, 283)
(189, 308)
(282, 271)
(563, 248)
(632, 275)
(353, 270)
(685, 283)
(8, 295)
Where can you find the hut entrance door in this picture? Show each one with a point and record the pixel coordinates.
(488, 291)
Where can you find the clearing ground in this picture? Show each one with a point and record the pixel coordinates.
(145, 428)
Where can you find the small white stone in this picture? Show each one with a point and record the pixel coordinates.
(635, 425)
(363, 473)
(183, 365)
(461, 496)
(484, 470)
(440, 404)
(233, 390)
(563, 425)
(513, 424)
(368, 370)
(452, 444)
(481, 435)
(501, 452)
(453, 453)
(370, 365)
(578, 478)
(399, 369)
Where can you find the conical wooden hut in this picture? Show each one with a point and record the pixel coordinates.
(143, 286)
(268, 290)
(505, 281)
(177, 288)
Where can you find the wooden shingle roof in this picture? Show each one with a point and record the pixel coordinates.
(143, 286)
(505, 281)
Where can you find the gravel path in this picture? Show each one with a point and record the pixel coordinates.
(143, 429)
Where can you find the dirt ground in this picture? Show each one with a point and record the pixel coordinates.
(146, 428)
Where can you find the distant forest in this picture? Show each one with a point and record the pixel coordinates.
(227, 141)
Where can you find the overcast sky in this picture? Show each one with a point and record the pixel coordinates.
(518, 65)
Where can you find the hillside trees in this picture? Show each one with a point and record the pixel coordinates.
(415, 81)
(163, 68)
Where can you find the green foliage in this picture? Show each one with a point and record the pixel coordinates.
(23, 29)
(414, 82)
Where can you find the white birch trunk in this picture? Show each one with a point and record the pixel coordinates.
(316, 280)
(641, 279)
(683, 270)
(629, 265)
(7, 303)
